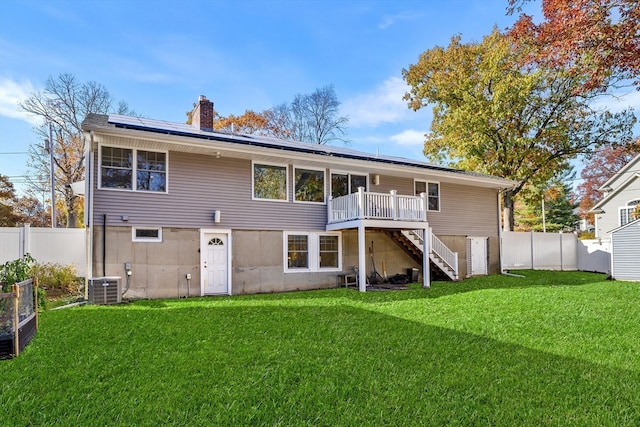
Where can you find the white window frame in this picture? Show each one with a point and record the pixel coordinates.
(135, 238)
(342, 172)
(286, 179)
(427, 182)
(134, 170)
(628, 208)
(313, 251)
(324, 189)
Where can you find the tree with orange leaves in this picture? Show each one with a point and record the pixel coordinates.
(598, 37)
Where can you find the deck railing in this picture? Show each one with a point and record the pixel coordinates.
(386, 206)
(449, 257)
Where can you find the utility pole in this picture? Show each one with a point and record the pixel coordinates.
(49, 146)
(544, 219)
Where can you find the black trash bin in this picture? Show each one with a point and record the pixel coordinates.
(412, 274)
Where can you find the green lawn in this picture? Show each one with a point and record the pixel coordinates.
(551, 349)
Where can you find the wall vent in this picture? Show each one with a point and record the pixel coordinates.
(105, 290)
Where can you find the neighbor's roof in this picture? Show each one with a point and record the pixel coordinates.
(97, 122)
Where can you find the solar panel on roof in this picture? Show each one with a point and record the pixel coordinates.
(184, 129)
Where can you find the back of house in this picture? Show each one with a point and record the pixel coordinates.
(182, 210)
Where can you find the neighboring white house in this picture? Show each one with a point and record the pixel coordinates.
(621, 198)
(625, 244)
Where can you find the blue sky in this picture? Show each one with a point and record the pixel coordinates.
(158, 56)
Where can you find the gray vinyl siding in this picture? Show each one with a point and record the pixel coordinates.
(610, 219)
(626, 252)
(465, 211)
(197, 186)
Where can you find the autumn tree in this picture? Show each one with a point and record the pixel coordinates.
(550, 208)
(8, 216)
(598, 38)
(15, 210)
(600, 166)
(313, 117)
(32, 211)
(493, 115)
(63, 104)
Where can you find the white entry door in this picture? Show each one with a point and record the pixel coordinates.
(215, 263)
(477, 256)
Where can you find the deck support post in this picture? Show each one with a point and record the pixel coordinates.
(426, 250)
(362, 259)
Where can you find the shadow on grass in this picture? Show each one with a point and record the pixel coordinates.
(532, 278)
(314, 365)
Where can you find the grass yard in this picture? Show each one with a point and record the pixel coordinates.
(551, 349)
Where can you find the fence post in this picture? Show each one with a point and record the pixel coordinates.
(16, 318)
(35, 299)
(532, 252)
(561, 266)
(26, 239)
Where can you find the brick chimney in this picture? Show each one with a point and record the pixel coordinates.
(202, 114)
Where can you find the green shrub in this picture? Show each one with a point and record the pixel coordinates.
(56, 276)
(16, 271)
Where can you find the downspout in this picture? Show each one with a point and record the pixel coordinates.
(104, 245)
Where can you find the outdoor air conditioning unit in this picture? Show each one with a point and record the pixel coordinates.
(105, 290)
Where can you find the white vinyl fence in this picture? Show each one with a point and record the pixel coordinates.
(594, 255)
(539, 251)
(553, 251)
(46, 245)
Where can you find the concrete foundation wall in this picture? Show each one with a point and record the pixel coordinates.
(387, 254)
(258, 266)
(159, 269)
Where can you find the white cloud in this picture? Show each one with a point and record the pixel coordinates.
(619, 101)
(409, 137)
(11, 93)
(383, 105)
(390, 20)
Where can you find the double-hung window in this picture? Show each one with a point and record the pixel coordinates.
(133, 169)
(432, 190)
(309, 251)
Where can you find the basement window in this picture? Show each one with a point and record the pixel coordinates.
(147, 234)
(312, 251)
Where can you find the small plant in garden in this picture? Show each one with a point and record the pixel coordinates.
(16, 271)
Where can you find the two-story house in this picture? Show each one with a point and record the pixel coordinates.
(182, 210)
(619, 205)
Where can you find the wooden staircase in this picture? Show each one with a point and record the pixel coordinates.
(440, 255)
